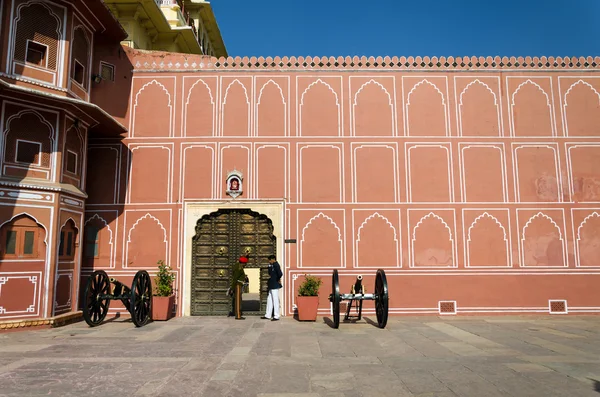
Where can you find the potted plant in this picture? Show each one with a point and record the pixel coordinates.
(307, 300)
(163, 299)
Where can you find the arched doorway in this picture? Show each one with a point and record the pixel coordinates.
(221, 238)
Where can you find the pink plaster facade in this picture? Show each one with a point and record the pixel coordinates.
(475, 183)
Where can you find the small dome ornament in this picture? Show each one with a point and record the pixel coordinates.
(233, 184)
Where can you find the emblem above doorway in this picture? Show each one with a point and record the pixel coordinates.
(234, 183)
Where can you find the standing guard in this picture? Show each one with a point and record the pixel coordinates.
(237, 282)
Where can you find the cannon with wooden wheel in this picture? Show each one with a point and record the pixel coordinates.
(137, 299)
(357, 295)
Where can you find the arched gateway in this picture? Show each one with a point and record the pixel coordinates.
(221, 238)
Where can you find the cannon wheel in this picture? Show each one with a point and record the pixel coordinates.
(140, 303)
(381, 298)
(335, 294)
(95, 307)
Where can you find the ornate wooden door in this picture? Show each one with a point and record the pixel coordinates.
(221, 238)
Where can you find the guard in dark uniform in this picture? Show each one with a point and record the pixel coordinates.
(237, 282)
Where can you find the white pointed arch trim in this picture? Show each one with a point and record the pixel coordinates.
(342, 245)
(445, 108)
(431, 215)
(319, 81)
(189, 95)
(420, 83)
(27, 214)
(486, 215)
(528, 81)
(101, 219)
(323, 216)
(477, 81)
(135, 105)
(67, 221)
(541, 215)
(153, 82)
(374, 83)
(285, 107)
(35, 113)
(390, 104)
(236, 81)
(278, 88)
(460, 105)
(373, 216)
(585, 83)
(590, 216)
(337, 104)
(147, 216)
(187, 102)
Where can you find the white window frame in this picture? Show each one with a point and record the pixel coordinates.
(39, 144)
(45, 66)
(67, 164)
(109, 65)
(82, 84)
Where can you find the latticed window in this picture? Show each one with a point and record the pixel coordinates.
(19, 239)
(80, 57)
(37, 35)
(28, 152)
(28, 141)
(107, 71)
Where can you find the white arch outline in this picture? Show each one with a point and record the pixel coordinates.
(337, 103)
(369, 218)
(540, 214)
(285, 106)
(590, 216)
(585, 83)
(413, 239)
(169, 105)
(460, 105)
(212, 104)
(34, 219)
(222, 132)
(59, 28)
(390, 103)
(425, 81)
(42, 119)
(166, 241)
(112, 257)
(340, 241)
(468, 248)
(512, 106)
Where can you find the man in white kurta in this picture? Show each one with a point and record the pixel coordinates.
(274, 284)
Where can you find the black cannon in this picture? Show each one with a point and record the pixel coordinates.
(137, 300)
(357, 295)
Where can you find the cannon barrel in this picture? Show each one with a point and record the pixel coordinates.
(357, 287)
(120, 288)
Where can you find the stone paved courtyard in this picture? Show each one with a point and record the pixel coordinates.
(414, 356)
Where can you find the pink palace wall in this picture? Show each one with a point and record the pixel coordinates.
(477, 191)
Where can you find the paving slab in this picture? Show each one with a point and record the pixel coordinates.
(413, 356)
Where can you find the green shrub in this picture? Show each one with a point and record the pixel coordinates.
(310, 286)
(164, 280)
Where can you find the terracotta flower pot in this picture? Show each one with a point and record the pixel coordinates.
(162, 307)
(307, 307)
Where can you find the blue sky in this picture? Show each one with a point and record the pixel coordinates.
(404, 28)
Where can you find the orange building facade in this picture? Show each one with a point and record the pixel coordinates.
(474, 187)
(474, 183)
